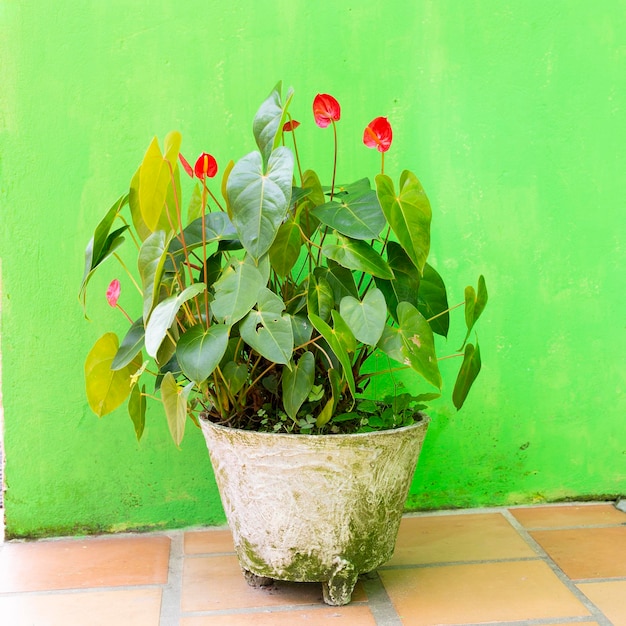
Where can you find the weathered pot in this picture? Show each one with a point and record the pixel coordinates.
(314, 508)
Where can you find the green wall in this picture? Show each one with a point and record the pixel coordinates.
(512, 113)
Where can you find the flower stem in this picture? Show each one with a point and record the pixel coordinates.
(332, 184)
(116, 255)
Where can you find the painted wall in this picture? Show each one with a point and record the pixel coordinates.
(511, 113)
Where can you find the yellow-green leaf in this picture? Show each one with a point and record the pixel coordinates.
(107, 389)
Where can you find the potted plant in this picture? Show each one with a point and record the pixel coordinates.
(262, 307)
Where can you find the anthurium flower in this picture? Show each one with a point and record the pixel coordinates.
(185, 164)
(378, 134)
(325, 110)
(291, 125)
(113, 292)
(205, 166)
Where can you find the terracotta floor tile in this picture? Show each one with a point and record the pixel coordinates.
(449, 538)
(216, 583)
(82, 563)
(564, 516)
(208, 542)
(609, 597)
(137, 607)
(586, 552)
(461, 594)
(344, 615)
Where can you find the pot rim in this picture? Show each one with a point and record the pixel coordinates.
(422, 423)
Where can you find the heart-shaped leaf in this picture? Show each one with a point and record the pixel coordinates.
(267, 331)
(357, 216)
(366, 318)
(235, 375)
(106, 388)
(236, 291)
(260, 199)
(412, 343)
(297, 383)
(200, 350)
(408, 213)
(358, 255)
(433, 301)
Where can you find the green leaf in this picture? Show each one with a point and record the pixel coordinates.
(217, 227)
(107, 389)
(433, 301)
(194, 208)
(358, 255)
(236, 291)
(412, 343)
(174, 400)
(365, 318)
(200, 350)
(326, 413)
(357, 216)
(267, 331)
(155, 176)
(302, 329)
(260, 199)
(163, 317)
(319, 297)
(235, 375)
(137, 409)
(103, 244)
(405, 286)
(337, 346)
(297, 383)
(151, 263)
(340, 280)
(315, 196)
(285, 250)
(131, 345)
(475, 303)
(269, 120)
(408, 213)
(467, 374)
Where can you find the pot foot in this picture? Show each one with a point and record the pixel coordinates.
(257, 581)
(338, 590)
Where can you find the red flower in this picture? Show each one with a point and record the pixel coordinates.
(185, 165)
(378, 134)
(206, 165)
(326, 110)
(291, 125)
(113, 292)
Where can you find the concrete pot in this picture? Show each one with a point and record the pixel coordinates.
(313, 508)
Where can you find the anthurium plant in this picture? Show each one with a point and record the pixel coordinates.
(264, 298)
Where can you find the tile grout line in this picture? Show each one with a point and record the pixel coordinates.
(596, 613)
(379, 602)
(172, 591)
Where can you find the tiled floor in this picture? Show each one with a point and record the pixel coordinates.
(562, 564)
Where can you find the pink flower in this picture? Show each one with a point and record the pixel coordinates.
(325, 110)
(378, 134)
(185, 165)
(113, 292)
(291, 125)
(206, 166)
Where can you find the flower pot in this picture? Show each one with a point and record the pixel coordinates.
(314, 508)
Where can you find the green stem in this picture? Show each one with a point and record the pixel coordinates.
(128, 272)
(332, 184)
